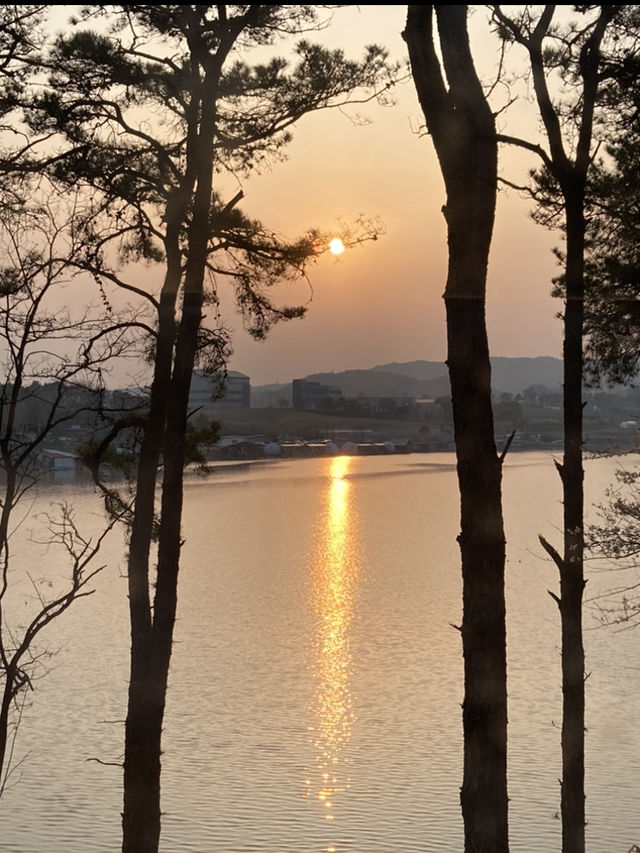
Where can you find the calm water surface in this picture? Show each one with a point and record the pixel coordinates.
(315, 689)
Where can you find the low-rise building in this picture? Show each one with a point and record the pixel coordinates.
(57, 460)
(230, 390)
(313, 395)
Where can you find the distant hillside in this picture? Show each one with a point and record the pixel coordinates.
(416, 378)
(516, 374)
(508, 374)
(372, 383)
(415, 369)
(421, 378)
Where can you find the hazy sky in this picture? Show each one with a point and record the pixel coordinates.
(382, 301)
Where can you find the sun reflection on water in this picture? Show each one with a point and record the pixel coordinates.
(335, 573)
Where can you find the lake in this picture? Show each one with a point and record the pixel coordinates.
(316, 681)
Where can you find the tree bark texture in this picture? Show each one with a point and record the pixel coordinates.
(463, 131)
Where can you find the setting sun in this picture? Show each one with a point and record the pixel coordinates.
(336, 246)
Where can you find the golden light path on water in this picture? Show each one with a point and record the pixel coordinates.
(335, 572)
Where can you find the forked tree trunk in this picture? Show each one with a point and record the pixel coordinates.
(462, 127)
(152, 632)
(149, 668)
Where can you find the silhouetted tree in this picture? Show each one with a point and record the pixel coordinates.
(612, 286)
(20, 40)
(616, 538)
(157, 112)
(38, 251)
(462, 127)
(573, 52)
(52, 361)
(510, 411)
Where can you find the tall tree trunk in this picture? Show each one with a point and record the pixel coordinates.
(147, 679)
(463, 131)
(571, 562)
(568, 162)
(572, 178)
(152, 633)
(147, 687)
(572, 581)
(482, 548)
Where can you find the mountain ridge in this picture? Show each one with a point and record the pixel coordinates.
(430, 378)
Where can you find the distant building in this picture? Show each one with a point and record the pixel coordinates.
(312, 395)
(271, 397)
(219, 391)
(385, 406)
(427, 406)
(57, 460)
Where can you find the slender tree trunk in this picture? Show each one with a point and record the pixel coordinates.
(571, 562)
(572, 568)
(6, 662)
(463, 131)
(5, 708)
(572, 178)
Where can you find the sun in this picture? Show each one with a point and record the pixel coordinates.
(336, 246)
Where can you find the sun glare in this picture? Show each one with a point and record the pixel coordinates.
(336, 246)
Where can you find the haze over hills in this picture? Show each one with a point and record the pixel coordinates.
(429, 378)
(507, 374)
(380, 383)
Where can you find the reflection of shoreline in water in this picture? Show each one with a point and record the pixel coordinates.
(334, 576)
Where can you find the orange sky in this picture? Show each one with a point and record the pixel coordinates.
(382, 301)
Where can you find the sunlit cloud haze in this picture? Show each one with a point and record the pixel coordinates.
(382, 301)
